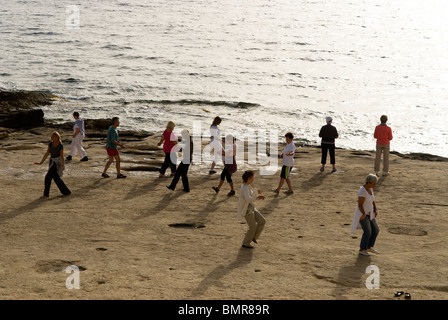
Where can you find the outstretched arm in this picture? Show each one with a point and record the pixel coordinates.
(44, 157)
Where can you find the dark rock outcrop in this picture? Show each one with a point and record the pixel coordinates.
(19, 100)
(20, 110)
(22, 119)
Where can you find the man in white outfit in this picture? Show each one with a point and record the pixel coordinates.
(78, 137)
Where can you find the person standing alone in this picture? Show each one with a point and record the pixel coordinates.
(328, 133)
(78, 137)
(383, 136)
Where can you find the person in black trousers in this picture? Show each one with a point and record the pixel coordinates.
(56, 165)
(187, 154)
(328, 133)
(169, 141)
(230, 166)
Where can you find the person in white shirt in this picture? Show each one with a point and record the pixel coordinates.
(215, 143)
(78, 137)
(365, 216)
(288, 162)
(246, 209)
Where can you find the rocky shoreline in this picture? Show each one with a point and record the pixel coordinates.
(20, 110)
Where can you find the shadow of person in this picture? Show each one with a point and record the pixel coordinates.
(86, 189)
(380, 182)
(37, 202)
(270, 206)
(137, 190)
(350, 277)
(164, 202)
(315, 181)
(27, 208)
(212, 206)
(243, 258)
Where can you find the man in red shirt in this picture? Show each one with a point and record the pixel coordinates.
(383, 135)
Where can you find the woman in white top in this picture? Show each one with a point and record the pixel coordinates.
(247, 210)
(215, 143)
(365, 216)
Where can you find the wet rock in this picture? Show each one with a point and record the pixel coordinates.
(22, 100)
(421, 156)
(22, 119)
(19, 110)
(4, 133)
(97, 124)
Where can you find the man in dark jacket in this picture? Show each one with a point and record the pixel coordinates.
(328, 133)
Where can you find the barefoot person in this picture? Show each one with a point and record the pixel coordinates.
(56, 165)
(112, 149)
(246, 209)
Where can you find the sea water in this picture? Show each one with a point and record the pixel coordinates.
(258, 64)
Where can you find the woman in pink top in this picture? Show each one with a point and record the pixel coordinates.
(383, 135)
(169, 140)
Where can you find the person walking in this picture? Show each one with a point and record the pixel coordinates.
(78, 137)
(328, 133)
(169, 140)
(246, 209)
(186, 145)
(56, 165)
(383, 136)
(215, 143)
(112, 145)
(230, 166)
(365, 216)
